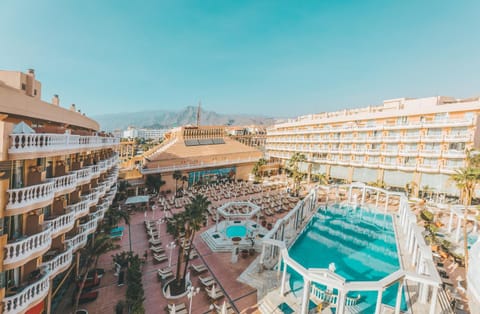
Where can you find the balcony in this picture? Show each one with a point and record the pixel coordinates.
(458, 138)
(371, 163)
(80, 209)
(356, 163)
(197, 165)
(388, 165)
(372, 152)
(390, 152)
(410, 138)
(24, 199)
(83, 175)
(391, 139)
(408, 167)
(428, 168)
(358, 151)
(459, 154)
(64, 184)
(430, 152)
(27, 297)
(61, 224)
(448, 122)
(77, 242)
(24, 250)
(94, 171)
(45, 144)
(58, 263)
(409, 152)
(91, 199)
(432, 138)
(88, 227)
(449, 169)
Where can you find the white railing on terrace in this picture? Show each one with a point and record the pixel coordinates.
(19, 250)
(64, 182)
(198, 165)
(60, 224)
(91, 198)
(33, 293)
(30, 195)
(77, 241)
(80, 209)
(45, 142)
(58, 263)
(83, 175)
(88, 227)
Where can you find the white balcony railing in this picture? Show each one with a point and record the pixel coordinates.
(78, 241)
(23, 249)
(30, 195)
(88, 227)
(45, 142)
(32, 294)
(59, 263)
(63, 184)
(198, 165)
(61, 224)
(94, 171)
(83, 175)
(80, 209)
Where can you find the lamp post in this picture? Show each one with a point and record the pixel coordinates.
(170, 247)
(192, 291)
(159, 224)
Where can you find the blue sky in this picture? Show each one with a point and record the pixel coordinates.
(277, 58)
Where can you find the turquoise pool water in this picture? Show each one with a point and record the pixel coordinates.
(360, 243)
(236, 231)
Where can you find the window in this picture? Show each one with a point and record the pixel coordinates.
(469, 116)
(35, 92)
(24, 87)
(457, 146)
(402, 120)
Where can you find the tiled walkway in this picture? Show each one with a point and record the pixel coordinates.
(241, 296)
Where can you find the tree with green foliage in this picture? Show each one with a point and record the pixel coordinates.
(177, 175)
(154, 182)
(184, 180)
(466, 180)
(135, 294)
(257, 168)
(294, 170)
(92, 252)
(187, 223)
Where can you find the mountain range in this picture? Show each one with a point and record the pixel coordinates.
(163, 119)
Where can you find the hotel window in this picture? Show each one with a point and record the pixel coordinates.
(434, 132)
(402, 120)
(459, 131)
(24, 86)
(456, 146)
(375, 146)
(469, 116)
(432, 147)
(430, 162)
(441, 116)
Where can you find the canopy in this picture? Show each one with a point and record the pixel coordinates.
(137, 199)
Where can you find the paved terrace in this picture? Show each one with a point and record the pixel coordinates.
(242, 296)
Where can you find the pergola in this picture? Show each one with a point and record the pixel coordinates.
(226, 211)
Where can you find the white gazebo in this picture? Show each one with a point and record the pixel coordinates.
(231, 210)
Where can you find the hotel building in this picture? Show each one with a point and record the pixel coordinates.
(202, 154)
(401, 141)
(57, 179)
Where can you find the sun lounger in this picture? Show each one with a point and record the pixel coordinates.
(155, 241)
(199, 268)
(178, 307)
(164, 275)
(157, 249)
(218, 293)
(159, 258)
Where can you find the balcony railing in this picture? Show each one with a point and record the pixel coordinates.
(94, 171)
(30, 196)
(91, 198)
(27, 248)
(64, 184)
(80, 209)
(78, 241)
(59, 263)
(51, 143)
(88, 227)
(61, 224)
(83, 175)
(198, 165)
(30, 295)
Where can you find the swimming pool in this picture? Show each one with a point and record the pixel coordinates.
(236, 231)
(360, 243)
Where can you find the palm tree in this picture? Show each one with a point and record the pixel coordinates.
(177, 175)
(118, 214)
(258, 167)
(322, 178)
(466, 180)
(293, 169)
(184, 180)
(154, 182)
(122, 189)
(187, 222)
(101, 245)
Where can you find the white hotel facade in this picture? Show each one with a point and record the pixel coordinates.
(401, 141)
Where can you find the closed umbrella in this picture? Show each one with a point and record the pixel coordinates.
(213, 292)
(173, 309)
(224, 308)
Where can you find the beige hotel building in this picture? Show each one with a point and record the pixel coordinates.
(57, 179)
(401, 141)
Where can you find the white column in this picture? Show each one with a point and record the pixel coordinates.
(450, 222)
(378, 307)
(262, 255)
(279, 261)
(398, 301)
(386, 203)
(342, 295)
(363, 195)
(306, 296)
(284, 279)
(433, 300)
(376, 201)
(459, 224)
(349, 194)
